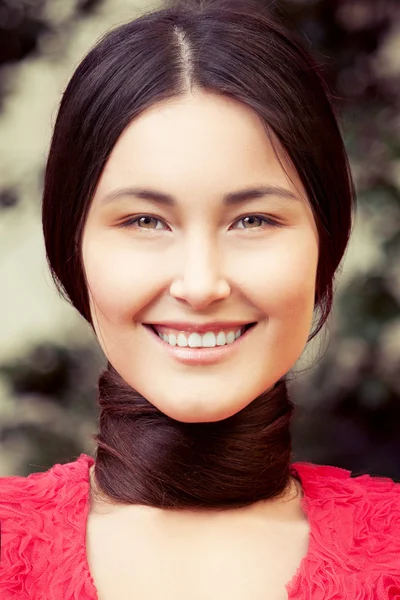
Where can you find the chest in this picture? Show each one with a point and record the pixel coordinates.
(133, 559)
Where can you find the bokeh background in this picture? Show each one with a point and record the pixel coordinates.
(347, 385)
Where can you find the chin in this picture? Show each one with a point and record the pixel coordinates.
(204, 413)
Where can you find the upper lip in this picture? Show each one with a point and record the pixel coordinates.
(201, 327)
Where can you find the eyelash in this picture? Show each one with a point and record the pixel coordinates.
(267, 222)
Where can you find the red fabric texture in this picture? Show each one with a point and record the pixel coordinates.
(354, 548)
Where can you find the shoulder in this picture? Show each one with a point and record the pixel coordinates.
(41, 490)
(375, 499)
(34, 510)
(355, 525)
(348, 489)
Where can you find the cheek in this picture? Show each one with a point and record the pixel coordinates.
(114, 281)
(279, 279)
(296, 286)
(289, 292)
(287, 298)
(286, 279)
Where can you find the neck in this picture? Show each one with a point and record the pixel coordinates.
(145, 457)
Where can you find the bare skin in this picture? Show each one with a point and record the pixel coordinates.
(198, 258)
(144, 553)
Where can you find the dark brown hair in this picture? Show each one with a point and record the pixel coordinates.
(237, 49)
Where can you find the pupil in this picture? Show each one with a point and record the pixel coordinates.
(146, 220)
(251, 220)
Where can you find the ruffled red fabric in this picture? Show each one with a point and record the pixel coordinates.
(353, 554)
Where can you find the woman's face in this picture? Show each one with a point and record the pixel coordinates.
(192, 252)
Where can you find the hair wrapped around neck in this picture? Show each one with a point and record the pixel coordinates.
(145, 457)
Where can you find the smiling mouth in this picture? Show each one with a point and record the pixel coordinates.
(209, 339)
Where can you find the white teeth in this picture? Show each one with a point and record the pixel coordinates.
(230, 337)
(181, 339)
(209, 340)
(221, 339)
(195, 340)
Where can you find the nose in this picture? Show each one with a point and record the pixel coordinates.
(200, 281)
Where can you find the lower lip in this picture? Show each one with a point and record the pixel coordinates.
(201, 356)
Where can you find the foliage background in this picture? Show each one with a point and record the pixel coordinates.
(348, 403)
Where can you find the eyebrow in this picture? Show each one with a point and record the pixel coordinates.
(229, 199)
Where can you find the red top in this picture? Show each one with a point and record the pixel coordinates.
(353, 554)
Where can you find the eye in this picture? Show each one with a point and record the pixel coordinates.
(150, 222)
(143, 222)
(256, 222)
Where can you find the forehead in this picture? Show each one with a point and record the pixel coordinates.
(200, 141)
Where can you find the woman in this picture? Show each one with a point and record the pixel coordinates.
(197, 206)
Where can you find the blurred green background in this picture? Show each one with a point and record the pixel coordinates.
(347, 384)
